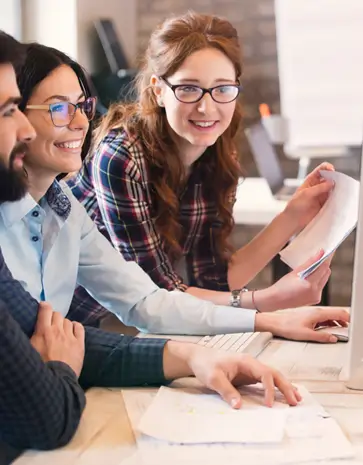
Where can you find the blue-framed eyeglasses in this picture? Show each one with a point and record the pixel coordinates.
(63, 113)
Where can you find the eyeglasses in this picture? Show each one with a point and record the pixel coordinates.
(187, 93)
(63, 113)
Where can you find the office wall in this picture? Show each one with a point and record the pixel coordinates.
(52, 23)
(123, 13)
(10, 17)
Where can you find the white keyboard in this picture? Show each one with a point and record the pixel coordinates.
(247, 343)
(251, 343)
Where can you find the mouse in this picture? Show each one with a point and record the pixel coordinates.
(342, 333)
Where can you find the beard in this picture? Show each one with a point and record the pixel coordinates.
(13, 182)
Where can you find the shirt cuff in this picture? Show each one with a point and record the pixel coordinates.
(146, 357)
(232, 320)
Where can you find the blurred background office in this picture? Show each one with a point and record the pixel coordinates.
(108, 36)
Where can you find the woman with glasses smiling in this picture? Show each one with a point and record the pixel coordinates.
(161, 181)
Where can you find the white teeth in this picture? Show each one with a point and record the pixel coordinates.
(204, 124)
(71, 145)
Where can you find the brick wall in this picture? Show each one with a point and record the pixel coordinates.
(255, 23)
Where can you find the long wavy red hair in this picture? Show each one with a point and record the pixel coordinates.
(170, 44)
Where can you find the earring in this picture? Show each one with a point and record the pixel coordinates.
(160, 102)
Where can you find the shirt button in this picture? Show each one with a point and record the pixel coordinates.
(35, 238)
(35, 213)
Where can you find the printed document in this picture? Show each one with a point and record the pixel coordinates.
(335, 221)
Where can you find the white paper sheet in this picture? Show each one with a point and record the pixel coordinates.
(329, 228)
(194, 418)
(310, 436)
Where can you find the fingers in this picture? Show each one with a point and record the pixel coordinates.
(289, 391)
(298, 396)
(269, 385)
(225, 389)
(319, 316)
(44, 316)
(68, 327)
(322, 189)
(318, 274)
(73, 328)
(315, 174)
(324, 279)
(310, 261)
(78, 330)
(57, 319)
(324, 166)
(318, 336)
(331, 313)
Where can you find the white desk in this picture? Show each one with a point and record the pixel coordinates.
(255, 204)
(105, 435)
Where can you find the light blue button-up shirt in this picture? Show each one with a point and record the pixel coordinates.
(53, 246)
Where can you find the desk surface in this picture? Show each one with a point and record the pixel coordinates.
(105, 435)
(255, 204)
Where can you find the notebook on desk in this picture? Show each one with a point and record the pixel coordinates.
(268, 164)
(247, 343)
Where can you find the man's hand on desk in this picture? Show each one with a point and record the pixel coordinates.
(300, 325)
(309, 197)
(57, 339)
(221, 372)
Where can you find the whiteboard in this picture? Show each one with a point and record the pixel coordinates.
(320, 60)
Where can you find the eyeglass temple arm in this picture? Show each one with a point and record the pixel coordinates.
(37, 107)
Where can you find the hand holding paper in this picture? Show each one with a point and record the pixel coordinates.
(310, 197)
(291, 291)
(334, 222)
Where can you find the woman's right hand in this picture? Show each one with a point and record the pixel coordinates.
(291, 291)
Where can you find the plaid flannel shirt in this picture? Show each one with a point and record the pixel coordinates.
(40, 404)
(114, 187)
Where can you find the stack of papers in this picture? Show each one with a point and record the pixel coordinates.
(335, 221)
(195, 418)
(309, 433)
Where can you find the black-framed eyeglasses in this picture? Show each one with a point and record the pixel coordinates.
(189, 93)
(63, 113)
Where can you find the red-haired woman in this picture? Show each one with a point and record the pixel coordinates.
(160, 183)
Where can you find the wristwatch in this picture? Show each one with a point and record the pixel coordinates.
(235, 300)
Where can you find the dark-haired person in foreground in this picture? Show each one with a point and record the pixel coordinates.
(41, 400)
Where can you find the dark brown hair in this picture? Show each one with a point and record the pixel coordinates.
(170, 44)
(39, 62)
(11, 51)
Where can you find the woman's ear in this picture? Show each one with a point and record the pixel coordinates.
(157, 89)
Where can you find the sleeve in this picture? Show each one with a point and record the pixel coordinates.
(110, 359)
(40, 404)
(126, 290)
(125, 207)
(114, 360)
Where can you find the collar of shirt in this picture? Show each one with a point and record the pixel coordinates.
(58, 201)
